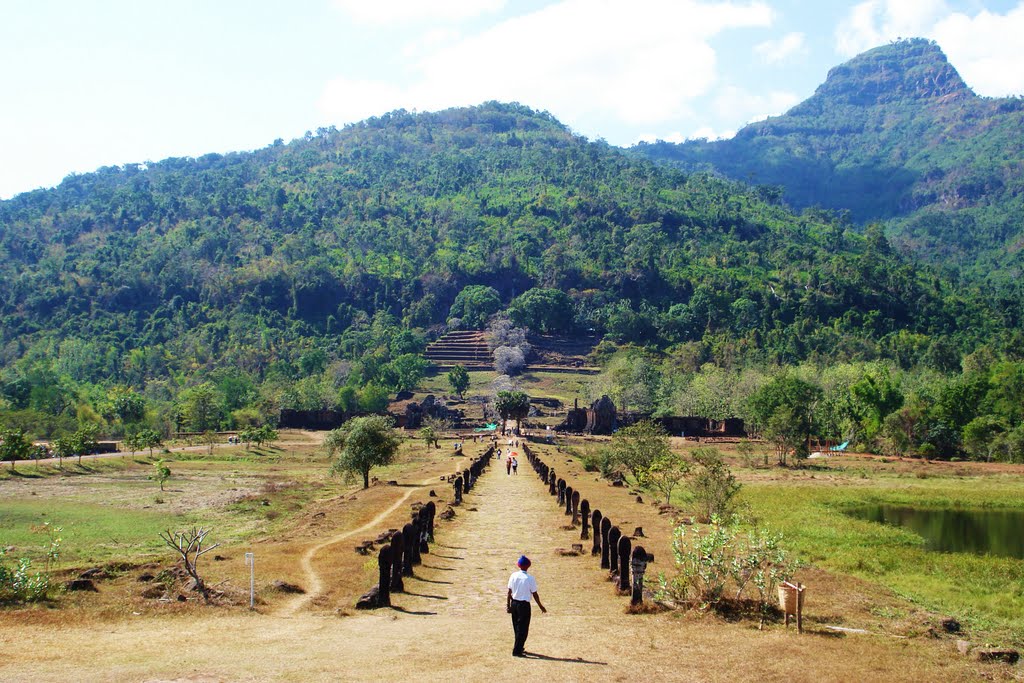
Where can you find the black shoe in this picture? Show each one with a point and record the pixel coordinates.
(518, 654)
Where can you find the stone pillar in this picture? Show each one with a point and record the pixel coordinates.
(575, 507)
(431, 514)
(561, 491)
(595, 518)
(585, 516)
(552, 485)
(415, 547)
(397, 552)
(606, 527)
(614, 534)
(408, 546)
(625, 546)
(423, 517)
(638, 565)
(567, 497)
(458, 490)
(384, 580)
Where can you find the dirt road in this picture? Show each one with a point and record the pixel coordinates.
(451, 624)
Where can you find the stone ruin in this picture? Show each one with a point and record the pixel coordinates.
(599, 418)
(428, 407)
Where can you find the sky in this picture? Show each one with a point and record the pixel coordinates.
(110, 82)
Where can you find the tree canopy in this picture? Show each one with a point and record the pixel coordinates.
(361, 444)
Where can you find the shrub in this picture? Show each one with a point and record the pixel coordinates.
(720, 563)
(712, 485)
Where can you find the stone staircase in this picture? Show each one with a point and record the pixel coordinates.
(467, 348)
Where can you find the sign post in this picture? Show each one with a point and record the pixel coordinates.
(250, 560)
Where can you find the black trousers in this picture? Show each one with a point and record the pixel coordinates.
(520, 624)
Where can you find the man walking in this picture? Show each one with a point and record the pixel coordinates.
(521, 586)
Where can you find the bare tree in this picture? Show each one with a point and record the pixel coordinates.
(189, 545)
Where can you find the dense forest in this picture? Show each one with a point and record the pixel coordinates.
(212, 292)
(896, 136)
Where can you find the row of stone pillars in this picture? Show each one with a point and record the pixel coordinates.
(618, 556)
(397, 559)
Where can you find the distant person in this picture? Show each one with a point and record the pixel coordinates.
(521, 586)
(508, 464)
(499, 453)
(515, 465)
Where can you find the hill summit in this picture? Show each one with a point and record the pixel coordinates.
(894, 135)
(914, 69)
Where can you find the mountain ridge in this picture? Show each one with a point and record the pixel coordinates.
(943, 167)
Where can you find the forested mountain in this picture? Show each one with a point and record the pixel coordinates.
(294, 274)
(894, 135)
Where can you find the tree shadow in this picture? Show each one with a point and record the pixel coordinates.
(424, 595)
(419, 578)
(572, 660)
(450, 547)
(448, 557)
(440, 569)
(412, 612)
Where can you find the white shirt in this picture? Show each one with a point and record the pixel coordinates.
(522, 585)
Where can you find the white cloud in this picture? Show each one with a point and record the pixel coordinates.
(985, 48)
(734, 103)
(776, 51)
(349, 100)
(409, 11)
(875, 22)
(708, 133)
(639, 63)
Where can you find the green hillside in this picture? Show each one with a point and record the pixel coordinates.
(310, 274)
(893, 135)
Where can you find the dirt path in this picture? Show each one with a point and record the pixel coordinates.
(451, 624)
(313, 580)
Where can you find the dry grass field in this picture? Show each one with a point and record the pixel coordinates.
(302, 526)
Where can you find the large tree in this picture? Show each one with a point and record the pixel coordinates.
(361, 444)
(783, 408)
(639, 447)
(458, 379)
(514, 405)
(475, 304)
(543, 310)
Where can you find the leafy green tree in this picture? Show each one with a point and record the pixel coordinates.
(639, 447)
(127, 405)
(151, 439)
(199, 408)
(512, 405)
(783, 408)
(361, 444)
(134, 441)
(14, 446)
(372, 398)
(543, 310)
(84, 441)
(406, 371)
(712, 485)
(474, 305)
(981, 436)
(429, 436)
(458, 380)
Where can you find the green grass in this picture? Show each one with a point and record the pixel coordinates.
(89, 532)
(985, 592)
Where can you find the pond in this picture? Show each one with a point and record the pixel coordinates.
(982, 532)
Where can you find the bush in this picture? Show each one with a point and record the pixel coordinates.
(712, 485)
(722, 564)
(509, 360)
(19, 584)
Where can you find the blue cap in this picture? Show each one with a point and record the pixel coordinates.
(523, 562)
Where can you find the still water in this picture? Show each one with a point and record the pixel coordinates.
(982, 532)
